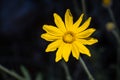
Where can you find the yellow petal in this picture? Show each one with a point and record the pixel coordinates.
(59, 53)
(84, 26)
(75, 51)
(82, 48)
(59, 23)
(66, 51)
(89, 41)
(78, 22)
(49, 37)
(52, 30)
(53, 46)
(68, 19)
(86, 33)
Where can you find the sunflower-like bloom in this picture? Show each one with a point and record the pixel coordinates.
(68, 38)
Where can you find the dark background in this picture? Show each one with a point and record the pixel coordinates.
(20, 42)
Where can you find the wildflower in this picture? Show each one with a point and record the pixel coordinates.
(68, 37)
(106, 3)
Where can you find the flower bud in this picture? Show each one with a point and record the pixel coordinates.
(110, 26)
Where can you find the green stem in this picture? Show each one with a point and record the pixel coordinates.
(112, 16)
(86, 69)
(83, 6)
(66, 70)
(13, 74)
(118, 53)
(116, 34)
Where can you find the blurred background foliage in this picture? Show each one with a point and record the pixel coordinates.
(20, 42)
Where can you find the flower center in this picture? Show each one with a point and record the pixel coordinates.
(68, 37)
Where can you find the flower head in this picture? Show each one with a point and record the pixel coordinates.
(68, 38)
(107, 3)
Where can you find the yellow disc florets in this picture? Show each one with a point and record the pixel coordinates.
(68, 37)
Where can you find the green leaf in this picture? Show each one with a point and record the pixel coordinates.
(25, 73)
(39, 76)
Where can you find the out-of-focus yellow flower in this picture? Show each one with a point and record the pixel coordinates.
(106, 3)
(68, 37)
(110, 26)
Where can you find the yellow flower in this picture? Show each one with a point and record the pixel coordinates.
(68, 37)
(106, 3)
